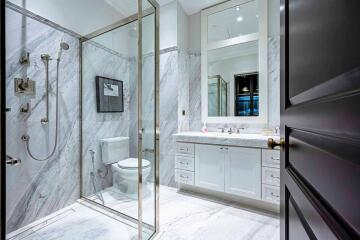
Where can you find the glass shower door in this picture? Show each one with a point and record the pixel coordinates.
(148, 93)
(120, 117)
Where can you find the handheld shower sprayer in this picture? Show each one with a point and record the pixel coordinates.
(63, 46)
(26, 138)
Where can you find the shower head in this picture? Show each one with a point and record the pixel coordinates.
(63, 46)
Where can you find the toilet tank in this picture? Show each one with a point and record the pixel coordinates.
(114, 149)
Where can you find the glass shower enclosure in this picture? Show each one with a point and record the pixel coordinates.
(126, 136)
(81, 121)
(218, 103)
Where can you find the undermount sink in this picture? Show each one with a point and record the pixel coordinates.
(227, 135)
(236, 139)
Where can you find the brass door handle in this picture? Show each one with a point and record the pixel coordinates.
(272, 143)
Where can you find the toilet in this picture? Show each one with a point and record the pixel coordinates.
(115, 151)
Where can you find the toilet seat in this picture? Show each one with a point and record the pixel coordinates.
(132, 163)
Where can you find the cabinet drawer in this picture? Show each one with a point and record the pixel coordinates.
(183, 176)
(271, 193)
(271, 158)
(185, 148)
(271, 176)
(184, 162)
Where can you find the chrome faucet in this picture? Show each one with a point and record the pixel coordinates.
(230, 131)
(238, 130)
(277, 130)
(222, 130)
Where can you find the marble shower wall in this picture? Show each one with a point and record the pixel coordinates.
(100, 61)
(173, 94)
(169, 118)
(37, 189)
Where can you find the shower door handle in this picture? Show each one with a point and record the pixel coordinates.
(11, 161)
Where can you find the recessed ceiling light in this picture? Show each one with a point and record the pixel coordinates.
(239, 19)
(237, 8)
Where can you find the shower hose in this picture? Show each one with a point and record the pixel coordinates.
(26, 138)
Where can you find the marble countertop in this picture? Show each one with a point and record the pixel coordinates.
(242, 139)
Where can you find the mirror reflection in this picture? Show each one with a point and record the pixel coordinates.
(232, 61)
(233, 82)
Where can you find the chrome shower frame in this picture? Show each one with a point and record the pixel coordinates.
(142, 13)
(135, 17)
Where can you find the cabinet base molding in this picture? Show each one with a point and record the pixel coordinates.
(259, 205)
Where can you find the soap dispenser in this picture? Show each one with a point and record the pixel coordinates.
(204, 128)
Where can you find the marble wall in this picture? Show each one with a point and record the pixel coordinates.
(101, 61)
(169, 119)
(274, 81)
(36, 189)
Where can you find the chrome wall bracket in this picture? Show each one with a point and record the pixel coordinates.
(24, 87)
(25, 108)
(25, 59)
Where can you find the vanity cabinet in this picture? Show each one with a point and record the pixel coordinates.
(271, 176)
(185, 163)
(209, 167)
(251, 172)
(233, 170)
(243, 172)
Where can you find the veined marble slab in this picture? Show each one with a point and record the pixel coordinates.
(183, 216)
(242, 139)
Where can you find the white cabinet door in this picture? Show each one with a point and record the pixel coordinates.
(243, 172)
(209, 167)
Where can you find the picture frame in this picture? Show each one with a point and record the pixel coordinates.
(109, 95)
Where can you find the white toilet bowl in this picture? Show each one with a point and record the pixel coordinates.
(126, 171)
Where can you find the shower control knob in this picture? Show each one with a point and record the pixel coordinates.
(11, 161)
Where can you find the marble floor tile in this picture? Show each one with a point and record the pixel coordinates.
(188, 216)
(183, 216)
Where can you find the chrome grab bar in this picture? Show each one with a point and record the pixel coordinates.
(11, 161)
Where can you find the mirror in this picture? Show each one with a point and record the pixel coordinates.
(233, 83)
(234, 62)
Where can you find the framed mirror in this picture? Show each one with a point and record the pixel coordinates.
(234, 62)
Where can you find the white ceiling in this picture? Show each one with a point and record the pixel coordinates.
(128, 7)
(194, 6)
(224, 25)
(235, 51)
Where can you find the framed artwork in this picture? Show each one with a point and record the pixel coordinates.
(109, 95)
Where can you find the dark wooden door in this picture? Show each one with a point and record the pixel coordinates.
(2, 123)
(320, 119)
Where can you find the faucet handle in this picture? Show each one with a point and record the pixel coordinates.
(221, 129)
(238, 130)
(277, 130)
